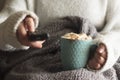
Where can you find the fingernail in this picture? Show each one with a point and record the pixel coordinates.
(101, 50)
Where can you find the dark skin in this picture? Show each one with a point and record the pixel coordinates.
(99, 57)
(96, 62)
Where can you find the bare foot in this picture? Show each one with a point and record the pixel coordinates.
(99, 57)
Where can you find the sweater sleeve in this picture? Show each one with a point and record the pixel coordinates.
(110, 35)
(11, 15)
(8, 29)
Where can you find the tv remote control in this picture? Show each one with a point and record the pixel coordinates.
(38, 36)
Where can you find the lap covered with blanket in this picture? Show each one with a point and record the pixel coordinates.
(45, 63)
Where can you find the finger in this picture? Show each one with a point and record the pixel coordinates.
(99, 59)
(22, 30)
(94, 65)
(97, 66)
(29, 23)
(101, 47)
(104, 54)
(101, 50)
(22, 34)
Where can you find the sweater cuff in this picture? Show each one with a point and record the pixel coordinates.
(11, 26)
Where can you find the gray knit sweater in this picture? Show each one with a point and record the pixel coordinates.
(45, 63)
(104, 14)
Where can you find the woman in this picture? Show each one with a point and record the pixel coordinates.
(19, 16)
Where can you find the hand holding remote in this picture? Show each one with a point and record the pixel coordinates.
(28, 25)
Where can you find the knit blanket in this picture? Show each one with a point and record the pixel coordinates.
(45, 63)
